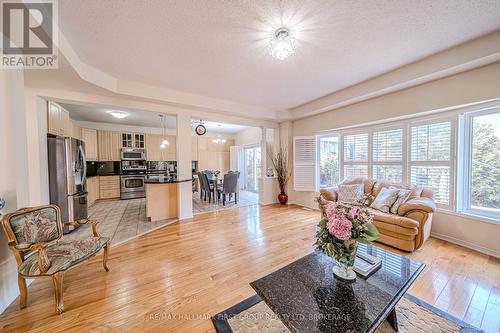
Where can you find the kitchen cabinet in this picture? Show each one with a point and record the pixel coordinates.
(109, 187)
(89, 136)
(93, 190)
(76, 131)
(133, 140)
(155, 153)
(58, 122)
(109, 144)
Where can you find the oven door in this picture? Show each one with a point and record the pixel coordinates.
(132, 184)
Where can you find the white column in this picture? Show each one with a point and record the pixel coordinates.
(14, 185)
(184, 171)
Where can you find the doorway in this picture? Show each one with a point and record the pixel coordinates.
(253, 168)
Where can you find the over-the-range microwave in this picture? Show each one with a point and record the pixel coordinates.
(133, 154)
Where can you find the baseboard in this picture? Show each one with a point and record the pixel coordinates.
(468, 245)
(9, 290)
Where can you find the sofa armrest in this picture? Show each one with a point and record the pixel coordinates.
(329, 193)
(422, 204)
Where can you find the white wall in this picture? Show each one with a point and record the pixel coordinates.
(478, 85)
(249, 136)
(14, 177)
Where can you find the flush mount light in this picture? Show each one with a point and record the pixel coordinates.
(118, 114)
(282, 44)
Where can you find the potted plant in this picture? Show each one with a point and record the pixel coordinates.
(339, 233)
(280, 164)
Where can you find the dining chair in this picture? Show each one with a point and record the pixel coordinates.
(35, 237)
(229, 187)
(208, 187)
(200, 182)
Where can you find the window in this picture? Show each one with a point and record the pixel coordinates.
(430, 162)
(356, 155)
(329, 171)
(388, 155)
(482, 163)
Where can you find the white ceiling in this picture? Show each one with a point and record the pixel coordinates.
(101, 114)
(218, 49)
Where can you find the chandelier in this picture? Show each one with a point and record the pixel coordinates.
(282, 45)
(219, 141)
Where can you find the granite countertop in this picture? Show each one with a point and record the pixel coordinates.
(104, 175)
(165, 180)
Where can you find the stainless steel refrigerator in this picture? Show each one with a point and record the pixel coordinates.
(67, 178)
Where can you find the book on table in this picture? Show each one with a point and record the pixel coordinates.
(366, 264)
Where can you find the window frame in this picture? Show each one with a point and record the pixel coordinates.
(451, 163)
(465, 166)
(343, 162)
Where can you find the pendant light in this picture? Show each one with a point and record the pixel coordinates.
(165, 142)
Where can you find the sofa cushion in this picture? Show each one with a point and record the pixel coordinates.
(385, 199)
(351, 194)
(403, 196)
(367, 182)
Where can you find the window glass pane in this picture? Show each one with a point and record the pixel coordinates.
(391, 173)
(388, 145)
(356, 147)
(431, 142)
(328, 161)
(436, 178)
(355, 171)
(485, 166)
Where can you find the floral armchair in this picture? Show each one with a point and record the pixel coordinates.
(35, 237)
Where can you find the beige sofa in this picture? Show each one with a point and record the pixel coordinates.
(409, 229)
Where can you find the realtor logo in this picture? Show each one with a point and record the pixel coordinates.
(29, 36)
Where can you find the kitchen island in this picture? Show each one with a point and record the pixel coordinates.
(161, 197)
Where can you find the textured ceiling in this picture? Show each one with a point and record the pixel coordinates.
(218, 48)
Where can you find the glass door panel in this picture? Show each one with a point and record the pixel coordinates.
(253, 168)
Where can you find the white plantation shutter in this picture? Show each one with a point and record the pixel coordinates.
(304, 163)
(387, 155)
(356, 155)
(430, 159)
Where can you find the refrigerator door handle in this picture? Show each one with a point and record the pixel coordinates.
(84, 161)
(81, 195)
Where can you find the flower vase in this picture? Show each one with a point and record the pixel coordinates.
(344, 261)
(283, 198)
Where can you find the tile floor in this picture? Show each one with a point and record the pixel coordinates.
(119, 220)
(246, 198)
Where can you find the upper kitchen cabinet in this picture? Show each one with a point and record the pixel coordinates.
(155, 153)
(133, 140)
(58, 122)
(89, 136)
(108, 145)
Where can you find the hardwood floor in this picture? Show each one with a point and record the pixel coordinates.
(174, 278)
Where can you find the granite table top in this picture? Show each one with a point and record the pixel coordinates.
(308, 298)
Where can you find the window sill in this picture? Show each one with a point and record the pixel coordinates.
(470, 216)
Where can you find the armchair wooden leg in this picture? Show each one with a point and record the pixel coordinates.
(105, 257)
(57, 279)
(23, 292)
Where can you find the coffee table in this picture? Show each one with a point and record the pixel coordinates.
(308, 298)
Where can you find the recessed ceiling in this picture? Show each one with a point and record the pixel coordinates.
(101, 115)
(140, 118)
(219, 49)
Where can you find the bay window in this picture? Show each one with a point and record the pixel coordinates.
(355, 157)
(430, 159)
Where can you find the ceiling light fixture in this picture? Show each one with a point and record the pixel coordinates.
(164, 142)
(118, 114)
(219, 140)
(282, 44)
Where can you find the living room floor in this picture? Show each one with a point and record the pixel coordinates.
(174, 278)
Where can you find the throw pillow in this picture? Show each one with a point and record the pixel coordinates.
(351, 194)
(385, 199)
(403, 196)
